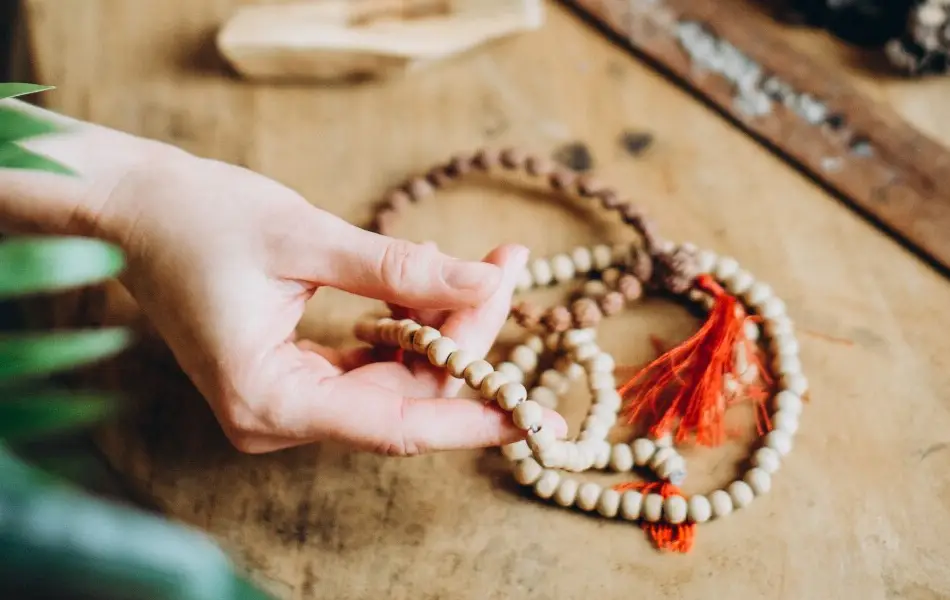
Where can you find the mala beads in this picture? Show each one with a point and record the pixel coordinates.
(711, 371)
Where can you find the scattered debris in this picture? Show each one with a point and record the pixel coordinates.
(575, 155)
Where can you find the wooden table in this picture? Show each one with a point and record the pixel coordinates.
(860, 510)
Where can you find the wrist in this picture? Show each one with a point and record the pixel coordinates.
(36, 201)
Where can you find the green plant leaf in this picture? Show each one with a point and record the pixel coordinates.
(50, 411)
(28, 355)
(15, 157)
(17, 125)
(12, 90)
(31, 265)
(58, 539)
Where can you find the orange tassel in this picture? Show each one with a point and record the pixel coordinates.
(665, 536)
(697, 368)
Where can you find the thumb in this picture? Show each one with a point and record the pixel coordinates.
(401, 272)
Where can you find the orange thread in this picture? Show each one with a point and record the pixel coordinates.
(665, 536)
(699, 367)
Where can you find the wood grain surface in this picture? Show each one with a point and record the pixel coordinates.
(799, 107)
(861, 508)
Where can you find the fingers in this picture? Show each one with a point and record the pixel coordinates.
(475, 329)
(300, 398)
(397, 271)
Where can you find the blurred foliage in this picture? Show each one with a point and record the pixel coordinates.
(56, 540)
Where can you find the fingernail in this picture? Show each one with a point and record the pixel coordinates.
(470, 275)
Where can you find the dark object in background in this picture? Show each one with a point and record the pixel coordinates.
(636, 142)
(575, 155)
(867, 23)
(914, 34)
(924, 47)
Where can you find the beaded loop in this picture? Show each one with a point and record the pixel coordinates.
(537, 458)
(616, 276)
(673, 267)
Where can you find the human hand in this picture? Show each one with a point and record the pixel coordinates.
(222, 260)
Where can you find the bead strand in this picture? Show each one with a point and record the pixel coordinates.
(538, 456)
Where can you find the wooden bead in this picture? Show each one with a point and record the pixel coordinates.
(757, 293)
(603, 413)
(602, 256)
(567, 367)
(661, 456)
(643, 450)
(778, 326)
(535, 344)
(740, 283)
(772, 307)
(365, 331)
(543, 396)
(439, 351)
(609, 503)
(705, 261)
(621, 458)
(527, 471)
(547, 484)
(554, 380)
(673, 470)
(631, 502)
(586, 352)
(721, 503)
(740, 493)
(652, 509)
(582, 259)
(610, 277)
(599, 380)
(609, 398)
(698, 508)
(784, 344)
(587, 495)
(758, 481)
(423, 338)
(510, 395)
(779, 441)
(785, 421)
(725, 268)
(751, 331)
(596, 427)
(511, 371)
(600, 363)
(575, 338)
(594, 288)
(524, 357)
(407, 330)
(516, 450)
(541, 272)
(566, 492)
(674, 509)
(562, 267)
(388, 333)
(492, 383)
(795, 383)
(767, 459)
(541, 439)
(554, 456)
(601, 454)
(476, 372)
(788, 402)
(528, 415)
(459, 361)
